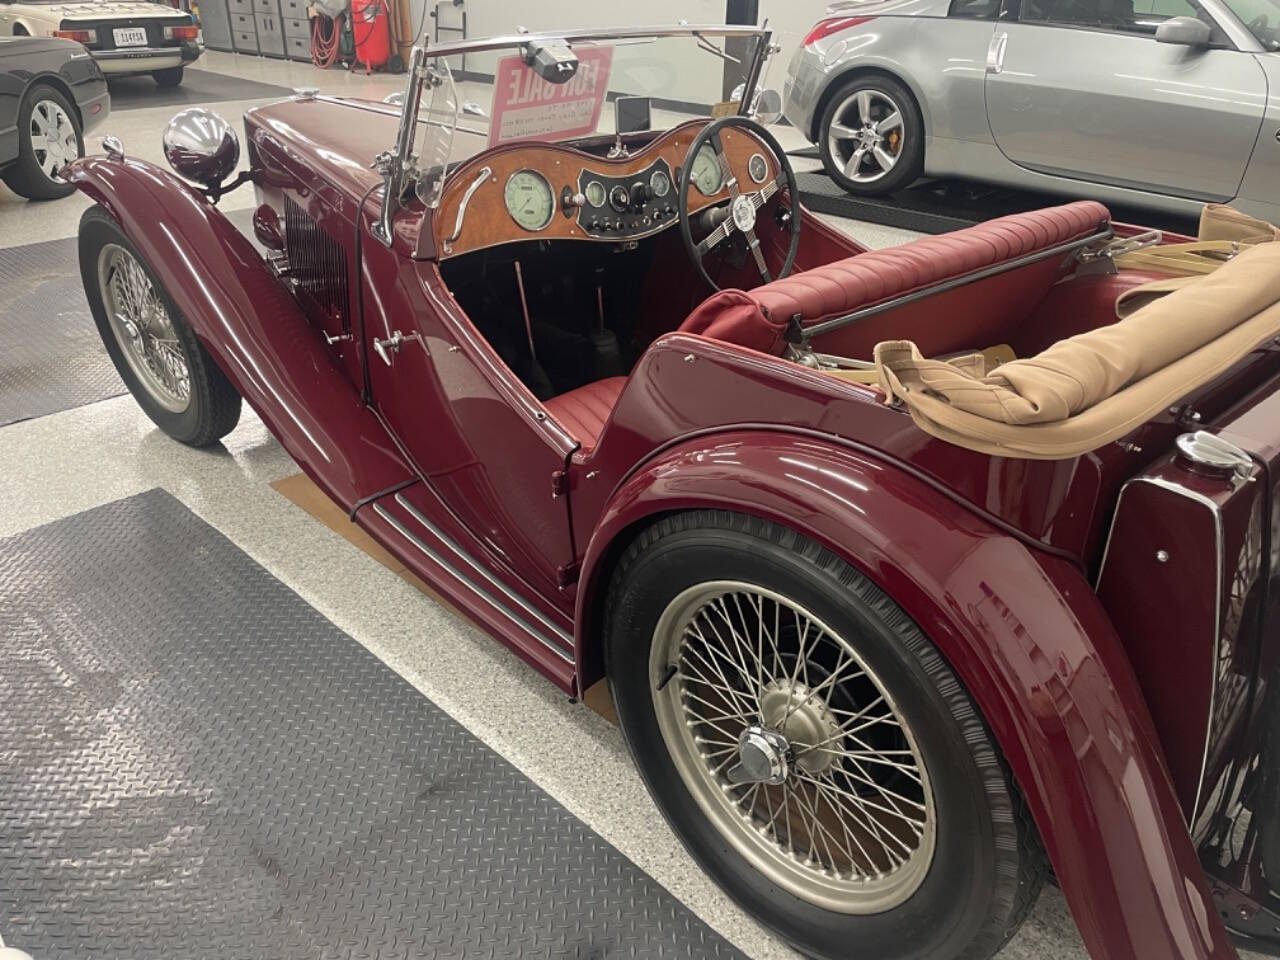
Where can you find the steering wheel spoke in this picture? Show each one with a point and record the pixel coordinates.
(743, 207)
(714, 238)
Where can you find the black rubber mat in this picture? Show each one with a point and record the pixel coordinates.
(51, 357)
(198, 86)
(937, 206)
(194, 763)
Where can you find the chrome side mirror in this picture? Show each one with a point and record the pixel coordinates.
(201, 146)
(1184, 31)
(765, 108)
(768, 107)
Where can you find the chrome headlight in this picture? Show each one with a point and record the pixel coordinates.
(201, 146)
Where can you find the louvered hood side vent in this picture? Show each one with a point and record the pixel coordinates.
(317, 266)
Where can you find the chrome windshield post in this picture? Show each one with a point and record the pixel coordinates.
(761, 54)
(394, 167)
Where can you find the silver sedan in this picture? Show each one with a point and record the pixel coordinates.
(1162, 103)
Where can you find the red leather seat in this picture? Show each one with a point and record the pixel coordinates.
(758, 318)
(583, 412)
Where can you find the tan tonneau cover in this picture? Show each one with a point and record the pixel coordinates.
(1096, 387)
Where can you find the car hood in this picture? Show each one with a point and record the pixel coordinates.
(111, 10)
(333, 138)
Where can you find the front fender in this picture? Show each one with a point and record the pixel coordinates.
(251, 325)
(1023, 631)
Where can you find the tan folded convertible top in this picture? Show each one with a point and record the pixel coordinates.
(1095, 387)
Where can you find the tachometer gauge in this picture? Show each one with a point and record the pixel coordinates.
(595, 193)
(529, 199)
(659, 183)
(758, 168)
(706, 173)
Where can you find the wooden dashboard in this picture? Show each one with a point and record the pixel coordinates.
(483, 197)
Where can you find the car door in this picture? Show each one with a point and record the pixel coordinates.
(1082, 89)
(483, 443)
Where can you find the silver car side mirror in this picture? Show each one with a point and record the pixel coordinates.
(1184, 31)
(765, 108)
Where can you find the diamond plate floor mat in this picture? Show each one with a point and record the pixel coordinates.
(194, 763)
(51, 357)
(938, 206)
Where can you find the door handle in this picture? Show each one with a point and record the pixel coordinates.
(388, 348)
(995, 52)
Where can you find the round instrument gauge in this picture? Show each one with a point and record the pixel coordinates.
(529, 199)
(620, 199)
(595, 193)
(757, 167)
(659, 183)
(706, 173)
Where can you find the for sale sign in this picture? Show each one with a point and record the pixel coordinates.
(526, 107)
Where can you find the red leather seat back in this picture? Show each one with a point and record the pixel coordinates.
(758, 318)
(583, 412)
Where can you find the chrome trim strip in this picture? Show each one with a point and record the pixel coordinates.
(488, 577)
(1219, 551)
(835, 323)
(481, 177)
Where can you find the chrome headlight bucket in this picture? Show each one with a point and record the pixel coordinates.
(201, 146)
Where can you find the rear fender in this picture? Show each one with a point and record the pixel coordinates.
(1023, 631)
(251, 325)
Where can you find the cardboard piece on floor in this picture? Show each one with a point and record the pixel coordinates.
(299, 489)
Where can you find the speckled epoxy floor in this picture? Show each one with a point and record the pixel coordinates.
(67, 462)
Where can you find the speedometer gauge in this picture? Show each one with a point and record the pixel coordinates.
(706, 173)
(529, 199)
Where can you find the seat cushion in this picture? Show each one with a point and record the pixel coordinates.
(583, 412)
(758, 318)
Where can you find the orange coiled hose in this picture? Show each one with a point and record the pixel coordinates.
(326, 39)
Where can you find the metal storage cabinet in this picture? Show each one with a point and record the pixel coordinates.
(297, 29)
(215, 25)
(266, 14)
(244, 32)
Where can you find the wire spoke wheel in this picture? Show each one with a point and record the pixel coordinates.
(867, 135)
(143, 328)
(792, 747)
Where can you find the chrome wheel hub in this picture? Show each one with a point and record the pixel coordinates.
(792, 747)
(143, 328)
(53, 138)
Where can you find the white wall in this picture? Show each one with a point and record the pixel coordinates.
(790, 19)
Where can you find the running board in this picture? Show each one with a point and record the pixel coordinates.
(434, 557)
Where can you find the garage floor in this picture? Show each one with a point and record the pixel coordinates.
(151, 595)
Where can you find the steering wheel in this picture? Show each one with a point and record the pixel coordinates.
(743, 207)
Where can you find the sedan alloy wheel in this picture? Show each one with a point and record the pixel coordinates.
(867, 135)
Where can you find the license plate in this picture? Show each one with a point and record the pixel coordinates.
(130, 36)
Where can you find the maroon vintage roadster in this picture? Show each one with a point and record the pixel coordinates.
(917, 575)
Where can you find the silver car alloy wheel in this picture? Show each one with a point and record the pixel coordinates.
(867, 135)
(143, 328)
(792, 747)
(53, 138)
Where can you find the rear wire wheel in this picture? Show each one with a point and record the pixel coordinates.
(810, 746)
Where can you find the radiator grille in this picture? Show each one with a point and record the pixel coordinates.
(317, 265)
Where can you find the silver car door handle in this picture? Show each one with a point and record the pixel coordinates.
(995, 52)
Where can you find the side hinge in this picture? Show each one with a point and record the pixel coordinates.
(559, 483)
(567, 574)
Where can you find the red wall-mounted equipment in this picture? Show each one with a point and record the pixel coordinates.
(371, 27)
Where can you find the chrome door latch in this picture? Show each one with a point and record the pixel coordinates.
(995, 52)
(388, 348)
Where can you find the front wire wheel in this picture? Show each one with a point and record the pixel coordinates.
(810, 746)
(792, 747)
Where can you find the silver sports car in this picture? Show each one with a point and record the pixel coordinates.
(1162, 103)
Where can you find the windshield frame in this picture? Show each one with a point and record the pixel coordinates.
(398, 166)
